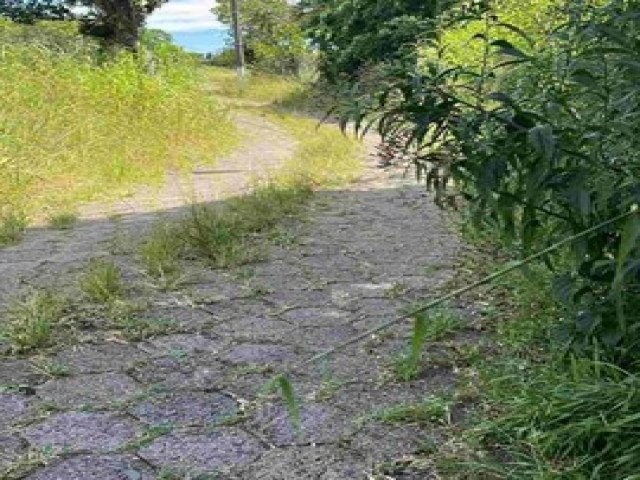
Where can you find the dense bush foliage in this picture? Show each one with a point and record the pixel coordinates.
(542, 142)
(352, 35)
(75, 125)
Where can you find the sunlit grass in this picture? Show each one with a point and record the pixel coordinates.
(255, 87)
(325, 157)
(72, 131)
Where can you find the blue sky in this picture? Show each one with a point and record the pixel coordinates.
(191, 23)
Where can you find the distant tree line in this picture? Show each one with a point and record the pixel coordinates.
(117, 22)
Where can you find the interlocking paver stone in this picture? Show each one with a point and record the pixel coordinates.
(212, 451)
(108, 357)
(13, 408)
(96, 467)
(95, 390)
(259, 353)
(186, 408)
(82, 431)
(318, 424)
(316, 317)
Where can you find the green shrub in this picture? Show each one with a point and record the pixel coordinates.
(538, 136)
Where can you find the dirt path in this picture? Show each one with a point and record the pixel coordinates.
(45, 253)
(189, 400)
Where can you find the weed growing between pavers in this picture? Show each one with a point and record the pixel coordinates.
(328, 389)
(50, 368)
(151, 433)
(172, 473)
(282, 238)
(428, 326)
(102, 282)
(26, 463)
(433, 409)
(160, 254)
(211, 235)
(32, 320)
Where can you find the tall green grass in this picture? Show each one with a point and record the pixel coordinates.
(580, 423)
(76, 125)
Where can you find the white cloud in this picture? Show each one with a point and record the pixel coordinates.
(184, 16)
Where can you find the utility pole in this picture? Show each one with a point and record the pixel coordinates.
(237, 36)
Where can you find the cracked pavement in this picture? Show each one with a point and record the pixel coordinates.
(190, 402)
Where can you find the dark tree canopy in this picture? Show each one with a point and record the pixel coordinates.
(118, 21)
(115, 21)
(28, 11)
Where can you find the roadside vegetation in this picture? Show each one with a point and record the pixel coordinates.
(524, 118)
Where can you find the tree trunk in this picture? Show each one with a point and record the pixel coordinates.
(123, 20)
